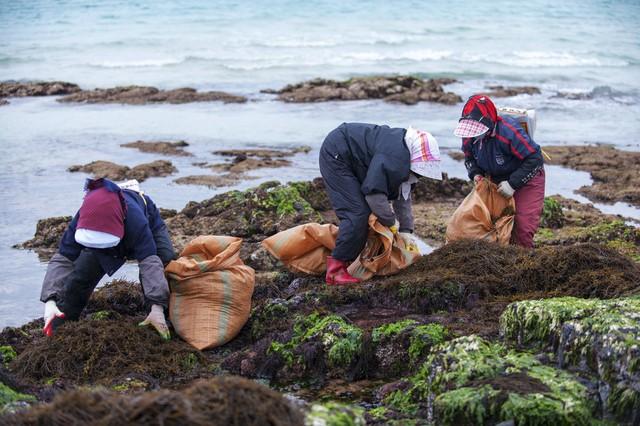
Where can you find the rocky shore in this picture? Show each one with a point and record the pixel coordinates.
(119, 172)
(160, 147)
(472, 333)
(403, 89)
(140, 95)
(16, 89)
(616, 173)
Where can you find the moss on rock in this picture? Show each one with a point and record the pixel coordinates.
(472, 381)
(10, 398)
(334, 414)
(599, 336)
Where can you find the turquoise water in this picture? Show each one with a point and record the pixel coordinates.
(590, 47)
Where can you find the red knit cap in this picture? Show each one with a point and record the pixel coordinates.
(102, 211)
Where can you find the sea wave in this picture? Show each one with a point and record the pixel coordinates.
(550, 59)
(146, 63)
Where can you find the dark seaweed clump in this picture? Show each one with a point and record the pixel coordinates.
(219, 401)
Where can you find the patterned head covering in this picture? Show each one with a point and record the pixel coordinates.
(425, 153)
(478, 108)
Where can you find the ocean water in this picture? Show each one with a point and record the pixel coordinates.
(590, 48)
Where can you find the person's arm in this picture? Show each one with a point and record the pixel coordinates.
(58, 269)
(470, 162)
(153, 281)
(164, 246)
(404, 213)
(527, 170)
(379, 205)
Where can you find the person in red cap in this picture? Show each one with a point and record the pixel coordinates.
(112, 226)
(500, 149)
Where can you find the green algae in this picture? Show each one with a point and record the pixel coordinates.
(599, 336)
(423, 337)
(334, 414)
(9, 397)
(264, 317)
(101, 315)
(552, 216)
(7, 354)
(460, 383)
(391, 329)
(341, 341)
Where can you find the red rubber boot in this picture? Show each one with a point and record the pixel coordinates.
(337, 273)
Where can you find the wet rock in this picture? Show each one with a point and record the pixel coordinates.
(116, 172)
(504, 92)
(456, 155)
(245, 160)
(616, 173)
(599, 336)
(140, 95)
(160, 147)
(213, 181)
(472, 381)
(48, 233)
(4, 102)
(402, 89)
(426, 189)
(10, 89)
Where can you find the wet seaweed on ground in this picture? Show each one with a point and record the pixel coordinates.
(220, 401)
(101, 350)
(122, 296)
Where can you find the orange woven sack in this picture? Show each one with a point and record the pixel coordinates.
(305, 248)
(483, 214)
(211, 291)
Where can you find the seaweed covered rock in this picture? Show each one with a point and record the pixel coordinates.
(160, 147)
(399, 346)
(616, 173)
(141, 172)
(11, 400)
(220, 401)
(48, 233)
(600, 336)
(100, 350)
(10, 89)
(317, 345)
(402, 89)
(335, 414)
(140, 95)
(470, 381)
(552, 216)
(447, 188)
(253, 214)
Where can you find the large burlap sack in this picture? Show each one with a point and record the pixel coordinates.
(305, 248)
(211, 291)
(483, 214)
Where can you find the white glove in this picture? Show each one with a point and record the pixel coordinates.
(157, 320)
(51, 312)
(505, 189)
(394, 228)
(409, 242)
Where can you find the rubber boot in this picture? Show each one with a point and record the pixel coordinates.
(337, 273)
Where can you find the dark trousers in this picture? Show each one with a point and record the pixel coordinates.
(343, 188)
(79, 285)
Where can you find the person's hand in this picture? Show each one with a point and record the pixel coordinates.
(477, 179)
(409, 242)
(394, 228)
(157, 320)
(505, 189)
(51, 312)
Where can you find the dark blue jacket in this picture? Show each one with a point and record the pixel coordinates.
(141, 222)
(378, 156)
(508, 155)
